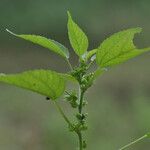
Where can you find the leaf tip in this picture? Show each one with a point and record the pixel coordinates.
(138, 29)
(11, 32)
(69, 14)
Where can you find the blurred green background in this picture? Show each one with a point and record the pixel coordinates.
(119, 103)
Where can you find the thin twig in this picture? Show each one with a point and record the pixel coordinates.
(134, 142)
(63, 114)
(70, 66)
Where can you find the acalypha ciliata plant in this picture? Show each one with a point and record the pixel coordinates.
(116, 49)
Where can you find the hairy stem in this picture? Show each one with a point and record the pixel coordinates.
(134, 142)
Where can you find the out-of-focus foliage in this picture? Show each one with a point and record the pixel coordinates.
(119, 104)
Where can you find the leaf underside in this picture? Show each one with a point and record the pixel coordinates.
(46, 43)
(45, 82)
(77, 37)
(118, 48)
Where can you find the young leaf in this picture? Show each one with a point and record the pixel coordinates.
(91, 53)
(46, 43)
(45, 82)
(118, 48)
(77, 37)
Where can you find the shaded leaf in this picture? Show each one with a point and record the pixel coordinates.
(45, 82)
(46, 43)
(77, 37)
(118, 48)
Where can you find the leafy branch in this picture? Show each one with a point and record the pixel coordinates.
(115, 50)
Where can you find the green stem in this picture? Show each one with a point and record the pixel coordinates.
(81, 94)
(70, 66)
(80, 141)
(134, 142)
(89, 65)
(63, 114)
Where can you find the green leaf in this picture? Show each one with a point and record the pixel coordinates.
(91, 53)
(77, 37)
(148, 135)
(45, 82)
(69, 77)
(98, 72)
(46, 43)
(118, 48)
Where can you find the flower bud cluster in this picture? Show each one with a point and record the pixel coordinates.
(72, 99)
(79, 72)
(86, 81)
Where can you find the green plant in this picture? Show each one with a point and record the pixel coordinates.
(116, 49)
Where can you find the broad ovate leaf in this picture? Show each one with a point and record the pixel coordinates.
(45, 82)
(46, 43)
(77, 37)
(118, 48)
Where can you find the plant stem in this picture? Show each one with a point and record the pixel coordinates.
(80, 141)
(89, 65)
(63, 114)
(70, 66)
(134, 142)
(69, 123)
(81, 94)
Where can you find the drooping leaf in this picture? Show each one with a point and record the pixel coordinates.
(118, 48)
(46, 43)
(77, 37)
(45, 82)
